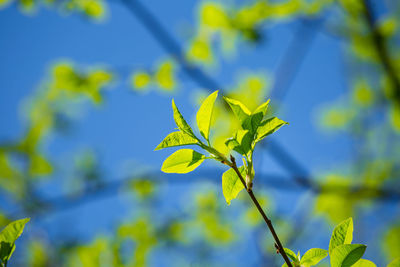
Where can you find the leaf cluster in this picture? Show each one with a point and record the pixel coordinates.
(254, 128)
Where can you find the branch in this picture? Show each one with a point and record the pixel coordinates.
(278, 243)
(379, 42)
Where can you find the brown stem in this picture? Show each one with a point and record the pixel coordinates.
(278, 243)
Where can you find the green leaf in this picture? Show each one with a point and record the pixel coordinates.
(182, 161)
(342, 234)
(262, 109)
(241, 143)
(231, 184)
(176, 139)
(313, 256)
(346, 255)
(291, 255)
(394, 263)
(8, 236)
(364, 263)
(253, 122)
(180, 121)
(239, 109)
(268, 127)
(204, 114)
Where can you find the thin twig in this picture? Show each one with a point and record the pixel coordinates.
(278, 243)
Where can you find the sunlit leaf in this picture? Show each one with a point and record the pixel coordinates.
(313, 256)
(268, 127)
(180, 121)
(291, 255)
(342, 234)
(346, 255)
(241, 143)
(204, 114)
(364, 263)
(239, 109)
(176, 139)
(182, 161)
(8, 236)
(231, 184)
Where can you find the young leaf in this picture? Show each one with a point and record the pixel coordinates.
(176, 139)
(268, 127)
(239, 109)
(253, 122)
(291, 255)
(394, 263)
(313, 256)
(346, 255)
(8, 236)
(364, 263)
(262, 109)
(180, 121)
(241, 143)
(342, 234)
(182, 161)
(204, 114)
(231, 184)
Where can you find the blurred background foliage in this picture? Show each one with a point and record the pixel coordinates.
(167, 220)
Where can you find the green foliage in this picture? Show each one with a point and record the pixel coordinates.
(177, 139)
(182, 161)
(8, 236)
(346, 255)
(310, 258)
(313, 256)
(364, 263)
(204, 114)
(231, 184)
(253, 130)
(342, 253)
(342, 234)
(180, 121)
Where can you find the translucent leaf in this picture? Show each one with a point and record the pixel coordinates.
(313, 256)
(262, 109)
(253, 122)
(180, 121)
(182, 161)
(239, 109)
(268, 127)
(346, 255)
(364, 263)
(204, 114)
(342, 234)
(241, 143)
(176, 139)
(8, 236)
(231, 184)
(291, 255)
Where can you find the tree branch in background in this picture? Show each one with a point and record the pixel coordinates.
(381, 48)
